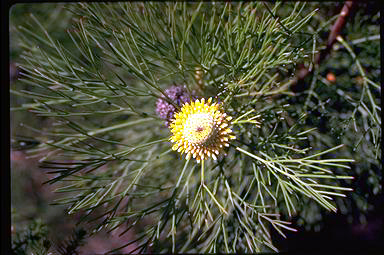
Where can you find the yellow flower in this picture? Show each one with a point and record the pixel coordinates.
(201, 129)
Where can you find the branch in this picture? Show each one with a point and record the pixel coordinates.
(298, 84)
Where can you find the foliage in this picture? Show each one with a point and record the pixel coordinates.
(32, 240)
(347, 110)
(109, 152)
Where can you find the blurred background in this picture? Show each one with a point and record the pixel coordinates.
(36, 223)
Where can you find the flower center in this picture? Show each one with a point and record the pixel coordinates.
(199, 128)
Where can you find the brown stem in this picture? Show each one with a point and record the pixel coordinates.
(298, 83)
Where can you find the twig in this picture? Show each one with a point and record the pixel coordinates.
(298, 83)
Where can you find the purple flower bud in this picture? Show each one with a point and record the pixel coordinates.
(179, 95)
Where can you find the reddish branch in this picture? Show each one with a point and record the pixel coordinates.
(298, 83)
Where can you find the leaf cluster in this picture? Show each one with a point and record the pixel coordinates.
(109, 153)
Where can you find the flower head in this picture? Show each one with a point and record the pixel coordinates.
(179, 95)
(201, 129)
